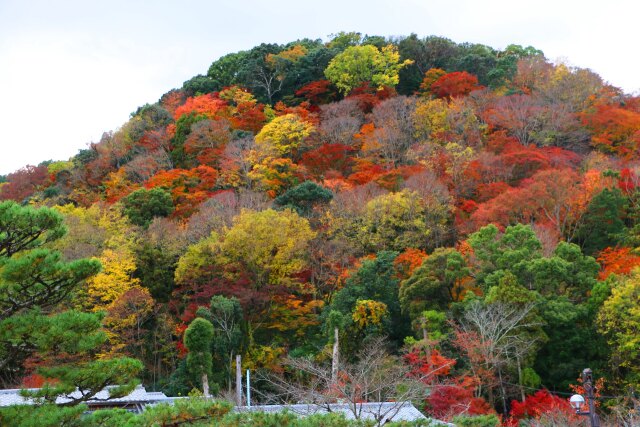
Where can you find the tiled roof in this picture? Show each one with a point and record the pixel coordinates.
(138, 395)
(391, 411)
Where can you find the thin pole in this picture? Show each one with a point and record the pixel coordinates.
(238, 380)
(248, 389)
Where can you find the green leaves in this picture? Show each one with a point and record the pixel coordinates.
(143, 205)
(435, 284)
(23, 228)
(198, 338)
(33, 279)
(90, 378)
(40, 278)
(303, 197)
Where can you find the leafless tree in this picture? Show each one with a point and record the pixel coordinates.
(557, 418)
(502, 334)
(340, 121)
(375, 376)
(393, 119)
(624, 414)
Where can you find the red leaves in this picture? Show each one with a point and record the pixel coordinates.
(429, 367)
(540, 403)
(328, 157)
(448, 397)
(456, 398)
(24, 182)
(318, 92)
(454, 85)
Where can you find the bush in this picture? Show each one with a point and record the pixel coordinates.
(489, 420)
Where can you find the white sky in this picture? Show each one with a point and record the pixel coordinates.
(72, 69)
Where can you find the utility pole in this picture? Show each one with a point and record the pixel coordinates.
(238, 380)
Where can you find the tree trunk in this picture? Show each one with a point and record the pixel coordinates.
(427, 344)
(522, 396)
(238, 380)
(205, 385)
(504, 397)
(335, 357)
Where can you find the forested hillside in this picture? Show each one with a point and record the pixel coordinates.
(477, 208)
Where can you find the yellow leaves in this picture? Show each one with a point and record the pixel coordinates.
(59, 166)
(114, 279)
(263, 357)
(369, 312)
(196, 258)
(274, 175)
(283, 135)
(619, 320)
(270, 243)
(431, 119)
(237, 95)
(93, 230)
(292, 313)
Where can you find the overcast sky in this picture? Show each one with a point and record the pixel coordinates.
(72, 69)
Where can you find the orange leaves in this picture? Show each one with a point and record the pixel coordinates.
(558, 197)
(188, 187)
(291, 313)
(207, 105)
(614, 129)
(430, 77)
(617, 261)
(233, 103)
(408, 261)
(118, 186)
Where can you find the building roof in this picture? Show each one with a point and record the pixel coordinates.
(387, 411)
(139, 395)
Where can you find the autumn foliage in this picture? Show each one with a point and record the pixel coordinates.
(335, 192)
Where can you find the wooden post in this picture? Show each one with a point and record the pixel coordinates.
(238, 380)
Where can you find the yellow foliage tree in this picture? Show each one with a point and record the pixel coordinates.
(114, 280)
(369, 313)
(274, 175)
(283, 135)
(270, 244)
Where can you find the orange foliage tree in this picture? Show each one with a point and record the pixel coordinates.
(614, 129)
(188, 187)
(617, 261)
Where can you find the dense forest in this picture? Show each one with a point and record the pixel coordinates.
(472, 213)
